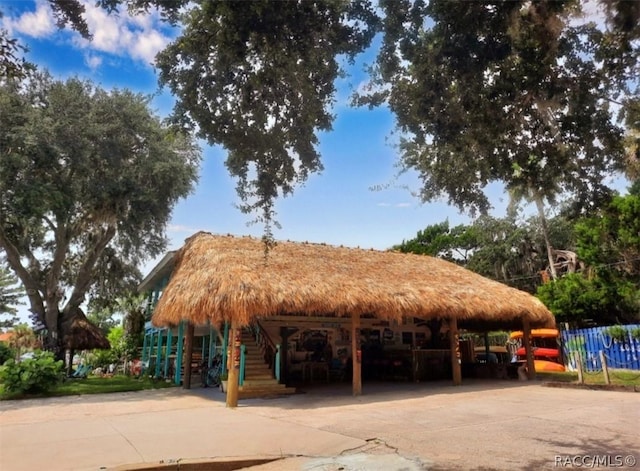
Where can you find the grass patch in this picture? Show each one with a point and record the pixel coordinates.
(617, 377)
(98, 385)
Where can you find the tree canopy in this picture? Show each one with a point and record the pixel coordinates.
(88, 180)
(608, 291)
(10, 297)
(258, 78)
(507, 249)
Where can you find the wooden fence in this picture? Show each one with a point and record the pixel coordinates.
(622, 353)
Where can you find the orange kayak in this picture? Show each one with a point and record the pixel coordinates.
(543, 365)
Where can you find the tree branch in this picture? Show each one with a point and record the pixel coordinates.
(59, 255)
(84, 279)
(31, 286)
(50, 223)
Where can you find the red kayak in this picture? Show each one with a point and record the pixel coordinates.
(540, 352)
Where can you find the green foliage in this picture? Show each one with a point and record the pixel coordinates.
(6, 352)
(635, 333)
(102, 318)
(617, 332)
(258, 78)
(504, 249)
(124, 347)
(31, 376)
(88, 181)
(102, 358)
(503, 92)
(572, 298)
(98, 385)
(10, 294)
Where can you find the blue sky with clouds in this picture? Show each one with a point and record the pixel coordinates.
(336, 206)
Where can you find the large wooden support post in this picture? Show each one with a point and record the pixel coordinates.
(356, 355)
(526, 339)
(188, 355)
(234, 367)
(454, 345)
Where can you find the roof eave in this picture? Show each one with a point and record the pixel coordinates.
(162, 269)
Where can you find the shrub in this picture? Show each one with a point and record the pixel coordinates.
(617, 332)
(102, 358)
(31, 376)
(6, 352)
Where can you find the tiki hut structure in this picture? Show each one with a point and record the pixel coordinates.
(217, 279)
(80, 334)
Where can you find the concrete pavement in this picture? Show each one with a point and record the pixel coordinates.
(480, 425)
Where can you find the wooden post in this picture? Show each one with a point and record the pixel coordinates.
(234, 367)
(454, 345)
(188, 354)
(605, 367)
(578, 358)
(356, 355)
(526, 339)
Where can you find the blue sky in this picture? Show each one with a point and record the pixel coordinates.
(336, 206)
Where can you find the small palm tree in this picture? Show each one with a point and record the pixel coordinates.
(23, 339)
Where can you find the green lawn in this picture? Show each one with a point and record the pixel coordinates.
(618, 377)
(98, 385)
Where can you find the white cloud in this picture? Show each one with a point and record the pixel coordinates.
(383, 205)
(403, 205)
(124, 35)
(36, 24)
(93, 61)
(139, 37)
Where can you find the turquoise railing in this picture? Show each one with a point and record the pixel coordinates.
(168, 353)
(243, 356)
(277, 360)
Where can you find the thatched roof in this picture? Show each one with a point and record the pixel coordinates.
(80, 334)
(220, 278)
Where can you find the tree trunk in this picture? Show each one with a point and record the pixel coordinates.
(545, 233)
(52, 323)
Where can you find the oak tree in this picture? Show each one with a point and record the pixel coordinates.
(88, 180)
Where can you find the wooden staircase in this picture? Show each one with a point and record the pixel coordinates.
(258, 377)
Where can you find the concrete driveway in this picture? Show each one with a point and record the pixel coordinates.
(478, 426)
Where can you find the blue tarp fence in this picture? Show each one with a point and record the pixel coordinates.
(619, 353)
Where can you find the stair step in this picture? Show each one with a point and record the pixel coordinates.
(261, 382)
(257, 369)
(256, 394)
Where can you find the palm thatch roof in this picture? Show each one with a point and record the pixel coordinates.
(226, 278)
(80, 334)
